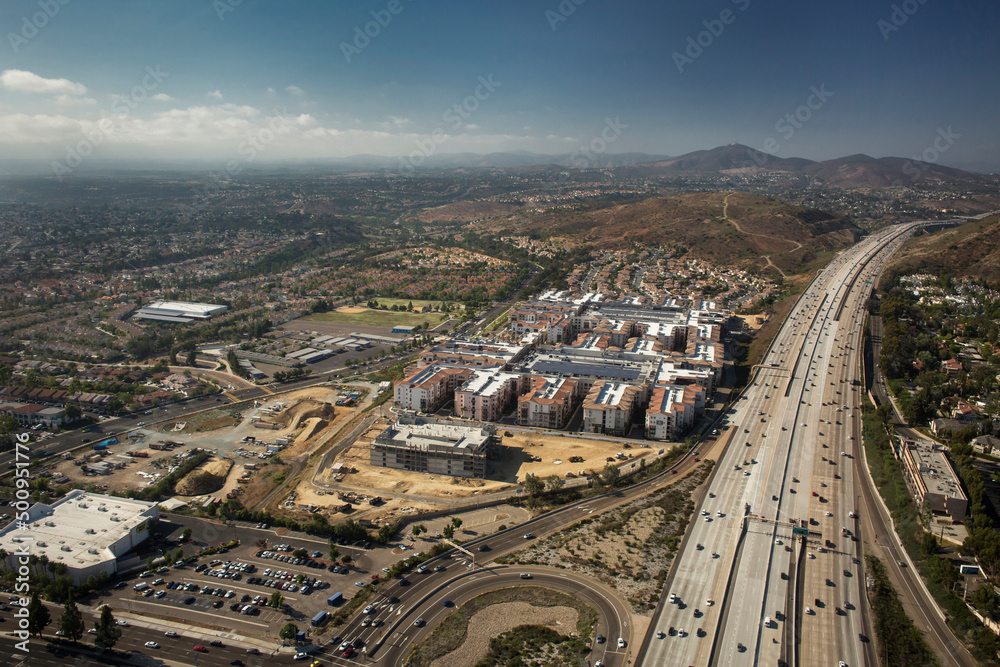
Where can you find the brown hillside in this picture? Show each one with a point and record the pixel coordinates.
(292, 416)
(206, 478)
(756, 227)
(971, 250)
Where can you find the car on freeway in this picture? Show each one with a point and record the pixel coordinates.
(152, 645)
(200, 649)
(600, 639)
(419, 623)
(528, 536)
(621, 642)
(300, 656)
(169, 633)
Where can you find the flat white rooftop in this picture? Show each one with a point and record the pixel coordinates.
(611, 393)
(79, 529)
(182, 309)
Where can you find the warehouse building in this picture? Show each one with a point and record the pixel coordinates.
(180, 312)
(87, 532)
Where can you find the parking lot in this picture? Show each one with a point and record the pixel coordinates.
(234, 588)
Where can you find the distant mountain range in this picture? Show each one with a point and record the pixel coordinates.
(852, 171)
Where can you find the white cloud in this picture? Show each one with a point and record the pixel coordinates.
(163, 97)
(295, 90)
(69, 100)
(472, 126)
(270, 92)
(21, 81)
(216, 95)
(218, 131)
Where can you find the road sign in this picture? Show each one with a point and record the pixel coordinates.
(800, 531)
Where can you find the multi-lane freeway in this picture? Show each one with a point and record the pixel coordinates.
(771, 570)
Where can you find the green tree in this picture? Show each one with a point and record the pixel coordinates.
(186, 534)
(930, 544)
(610, 474)
(300, 553)
(455, 521)
(38, 616)
(554, 483)
(448, 531)
(386, 533)
(533, 485)
(984, 599)
(71, 623)
(288, 632)
(275, 600)
(334, 552)
(108, 632)
(417, 529)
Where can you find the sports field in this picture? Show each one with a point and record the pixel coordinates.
(377, 318)
(417, 303)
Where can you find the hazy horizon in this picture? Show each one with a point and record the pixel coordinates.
(239, 81)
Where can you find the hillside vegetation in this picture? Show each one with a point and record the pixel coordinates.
(753, 227)
(971, 250)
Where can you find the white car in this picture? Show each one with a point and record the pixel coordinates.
(169, 633)
(621, 642)
(152, 645)
(122, 623)
(301, 656)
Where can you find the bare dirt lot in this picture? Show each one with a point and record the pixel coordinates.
(216, 467)
(629, 548)
(553, 450)
(135, 472)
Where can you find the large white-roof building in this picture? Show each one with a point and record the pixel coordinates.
(87, 532)
(178, 311)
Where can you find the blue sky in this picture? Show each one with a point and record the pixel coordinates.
(197, 78)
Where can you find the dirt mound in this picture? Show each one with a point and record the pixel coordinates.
(291, 416)
(207, 478)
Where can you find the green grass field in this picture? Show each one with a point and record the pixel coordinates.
(380, 318)
(417, 303)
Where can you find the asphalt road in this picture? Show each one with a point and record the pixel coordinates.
(458, 585)
(743, 579)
